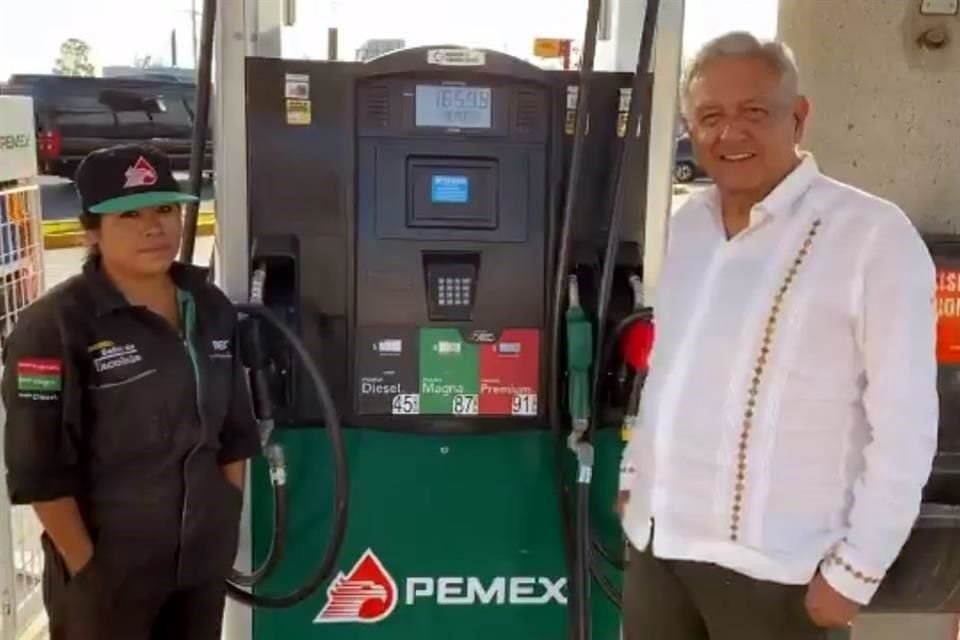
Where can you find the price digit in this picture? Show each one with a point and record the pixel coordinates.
(524, 405)
(465, 405)
(406, 404)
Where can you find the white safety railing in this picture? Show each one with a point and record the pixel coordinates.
(21, 282)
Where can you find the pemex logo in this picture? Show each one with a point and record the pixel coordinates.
(367, 594)
(140, 174)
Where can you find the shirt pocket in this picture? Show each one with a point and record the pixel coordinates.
(128, 418)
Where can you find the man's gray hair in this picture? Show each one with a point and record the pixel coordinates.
(742, 44)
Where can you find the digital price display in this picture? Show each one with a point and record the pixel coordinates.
(453, 106)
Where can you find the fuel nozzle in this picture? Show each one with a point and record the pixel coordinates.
(637, 344)
(277, 463)
(579, 361)
(254, 356)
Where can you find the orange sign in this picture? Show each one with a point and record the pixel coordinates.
(948, 316)
(549, 47)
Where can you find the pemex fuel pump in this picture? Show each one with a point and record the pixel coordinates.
(446, 247)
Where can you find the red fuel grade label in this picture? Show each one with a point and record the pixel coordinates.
(510, 374)
(948, 315)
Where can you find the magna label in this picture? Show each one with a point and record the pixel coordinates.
(448, 370)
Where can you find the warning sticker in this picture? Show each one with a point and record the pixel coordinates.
(449, 382)
(510, 374)
(387, 377)
(297, 86)
(298, 112)
(457, 57)
(948, 316)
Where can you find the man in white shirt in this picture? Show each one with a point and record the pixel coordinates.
(789, 422)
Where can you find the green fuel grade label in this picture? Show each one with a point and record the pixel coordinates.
(449, 373)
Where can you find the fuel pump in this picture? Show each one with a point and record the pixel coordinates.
(420, 219)
(404, 221)
(406, 212)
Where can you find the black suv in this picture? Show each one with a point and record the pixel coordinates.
(75, 116)
(685, 166)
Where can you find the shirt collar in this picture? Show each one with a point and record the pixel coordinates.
(784, 196)
(108, 298)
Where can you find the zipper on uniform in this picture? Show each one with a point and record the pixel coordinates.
(186, 319)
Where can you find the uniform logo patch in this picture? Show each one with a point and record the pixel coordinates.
(367, 594)
(103, 344)
(43, 375)
(221, 349)
(141, 174)
(115, 356)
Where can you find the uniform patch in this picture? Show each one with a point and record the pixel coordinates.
(43, 375)
(103, 344)
(221, 349)
(115, 356)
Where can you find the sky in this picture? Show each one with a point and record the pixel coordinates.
(119, 31)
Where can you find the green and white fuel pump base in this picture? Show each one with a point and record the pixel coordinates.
(448, 537)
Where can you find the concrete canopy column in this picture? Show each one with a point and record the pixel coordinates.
(886, 100)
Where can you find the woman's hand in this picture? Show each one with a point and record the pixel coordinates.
(62, 521)
(77, 564)
(235, 473)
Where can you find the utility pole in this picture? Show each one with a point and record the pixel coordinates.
(193, 30)
(173, 47)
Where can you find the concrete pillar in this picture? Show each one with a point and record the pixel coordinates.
(886, 101)
(886, 118)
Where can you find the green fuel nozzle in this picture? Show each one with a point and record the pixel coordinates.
(579, 361)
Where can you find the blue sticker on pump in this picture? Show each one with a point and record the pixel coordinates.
(450, 189)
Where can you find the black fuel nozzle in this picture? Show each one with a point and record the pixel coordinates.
(256, 359)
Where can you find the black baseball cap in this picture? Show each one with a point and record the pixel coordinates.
(127, 177)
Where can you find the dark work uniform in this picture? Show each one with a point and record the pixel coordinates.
(108, 403)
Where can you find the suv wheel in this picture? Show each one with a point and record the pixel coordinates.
(683, 172)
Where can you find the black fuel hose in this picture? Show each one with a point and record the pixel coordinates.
(614, 595)
(638, 107)
(643, 314)
(277, 548)
(255, 360)
(201, 119)
(577, 566)
(341, 490)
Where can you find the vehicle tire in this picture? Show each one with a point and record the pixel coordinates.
(683, 172)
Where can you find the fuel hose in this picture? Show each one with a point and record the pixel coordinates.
(334, 432)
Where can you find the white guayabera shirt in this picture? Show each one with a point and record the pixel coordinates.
(789, 421)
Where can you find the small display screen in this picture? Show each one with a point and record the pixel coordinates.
(450, 189)
(453, 106)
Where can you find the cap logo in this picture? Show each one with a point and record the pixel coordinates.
(140, 174)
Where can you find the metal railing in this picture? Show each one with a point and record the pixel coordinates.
(21, 282)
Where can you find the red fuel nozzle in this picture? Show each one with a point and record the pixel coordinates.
(637, 344)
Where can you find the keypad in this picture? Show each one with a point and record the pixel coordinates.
(454, 291)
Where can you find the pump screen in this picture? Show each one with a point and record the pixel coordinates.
(453, 106)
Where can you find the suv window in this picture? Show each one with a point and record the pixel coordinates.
(175, 121)
(81, 111)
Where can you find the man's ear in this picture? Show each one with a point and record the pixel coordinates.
(801, 113)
